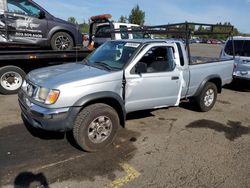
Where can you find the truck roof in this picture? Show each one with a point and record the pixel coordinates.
(150, 40)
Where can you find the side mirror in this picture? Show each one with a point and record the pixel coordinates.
(42, 14)
(141, 67)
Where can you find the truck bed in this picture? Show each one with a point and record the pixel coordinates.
(202, 71)
(201, 60)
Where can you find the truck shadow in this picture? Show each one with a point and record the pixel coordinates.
(232, 130)
(140, 114)
(190, 105)
(239, 85)
(49, 135)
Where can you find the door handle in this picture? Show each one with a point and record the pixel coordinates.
(175, 78)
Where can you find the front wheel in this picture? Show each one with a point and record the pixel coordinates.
(11, 79)
(207, 97)
(95, 127)
(62, 41)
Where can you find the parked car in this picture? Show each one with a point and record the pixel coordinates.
(242, 55)
(194, 40)
(26, 24)
(122, 76)
(213, 41)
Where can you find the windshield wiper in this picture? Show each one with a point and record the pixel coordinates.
(106, 66)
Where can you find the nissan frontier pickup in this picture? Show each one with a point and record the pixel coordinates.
(92, 97)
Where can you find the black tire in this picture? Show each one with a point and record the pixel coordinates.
(65, 38)
(204, 100)
(84, 120)
(11, 79)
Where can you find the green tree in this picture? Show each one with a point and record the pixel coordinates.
(72, 20)
(84, 27)
(123, 19)
(137, 16)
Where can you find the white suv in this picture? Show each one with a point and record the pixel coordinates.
(242, 56)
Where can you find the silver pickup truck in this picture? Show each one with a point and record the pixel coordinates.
(93, 97)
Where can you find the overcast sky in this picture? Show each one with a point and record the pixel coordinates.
(157, 11)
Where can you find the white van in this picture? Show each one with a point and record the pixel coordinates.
(242, 56)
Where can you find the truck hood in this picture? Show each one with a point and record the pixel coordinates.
(56, 76)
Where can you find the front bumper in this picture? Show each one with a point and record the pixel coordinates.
(44, 118)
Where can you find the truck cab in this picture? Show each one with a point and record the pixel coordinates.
(24, 24)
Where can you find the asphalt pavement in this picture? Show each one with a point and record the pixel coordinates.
(172, 147)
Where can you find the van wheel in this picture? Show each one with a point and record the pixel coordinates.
(95, 127)
(207, 97)
(62, 41)
(11, 79)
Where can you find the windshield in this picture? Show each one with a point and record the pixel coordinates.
(112, 55)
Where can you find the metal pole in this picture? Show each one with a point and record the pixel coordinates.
(187, 42)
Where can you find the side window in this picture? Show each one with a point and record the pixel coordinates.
(246, 49)
(12, 8)
(103, 31)
(124, 35)
(238, 47)
(23, 7)
(156, 60)
(181, 54)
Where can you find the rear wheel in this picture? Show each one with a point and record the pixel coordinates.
(11, 79)
(207, 97)
(62, 41)
(95, 127)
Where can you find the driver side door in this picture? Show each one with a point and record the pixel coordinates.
(156, 85)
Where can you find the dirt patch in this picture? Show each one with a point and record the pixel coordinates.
(232, 130)
(223, 102)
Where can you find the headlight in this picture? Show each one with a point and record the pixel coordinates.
(47, 96)
(43, 94)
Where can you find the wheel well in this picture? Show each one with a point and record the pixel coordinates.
(114, 104)
(65, 31)
(217, 82)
